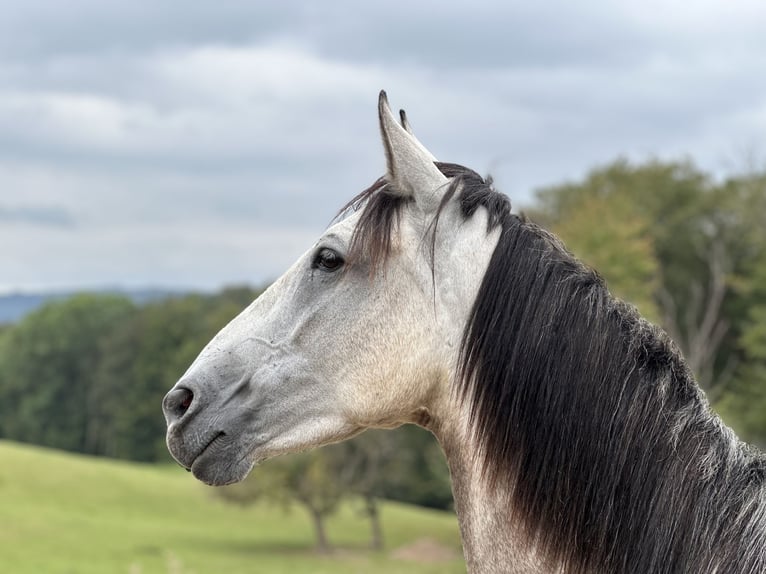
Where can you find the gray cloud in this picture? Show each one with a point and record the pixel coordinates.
(43, 216)
(196, 144)
(39, 29)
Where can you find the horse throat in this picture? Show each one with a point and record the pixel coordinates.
(491, 541)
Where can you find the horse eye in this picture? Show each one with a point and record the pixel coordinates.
(327, 260)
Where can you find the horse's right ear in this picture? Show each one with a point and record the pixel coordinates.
(411, 170)
(406, 125)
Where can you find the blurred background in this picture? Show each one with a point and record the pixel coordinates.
(161, 163)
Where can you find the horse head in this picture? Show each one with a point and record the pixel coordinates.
(362, 331)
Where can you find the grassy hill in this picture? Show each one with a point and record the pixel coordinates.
(68, 514)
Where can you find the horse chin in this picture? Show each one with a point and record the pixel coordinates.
(222, 462)
(220, 471)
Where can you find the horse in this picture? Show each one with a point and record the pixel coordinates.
(576, 436)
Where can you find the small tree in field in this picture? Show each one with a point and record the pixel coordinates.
(307, 479)
(361, 466)
(405, 464)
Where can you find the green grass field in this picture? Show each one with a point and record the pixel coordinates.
(67, 514)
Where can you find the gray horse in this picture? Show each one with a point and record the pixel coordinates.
(577, 438)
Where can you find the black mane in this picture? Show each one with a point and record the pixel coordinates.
(586, 413)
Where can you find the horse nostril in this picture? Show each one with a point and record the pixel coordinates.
(177, 402)
(186, 401)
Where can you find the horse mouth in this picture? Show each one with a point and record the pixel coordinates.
(213, 440)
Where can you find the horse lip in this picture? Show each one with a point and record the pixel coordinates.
(208, 444)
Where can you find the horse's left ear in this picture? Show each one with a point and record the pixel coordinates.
(410, 166)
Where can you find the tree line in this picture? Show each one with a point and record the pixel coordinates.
(690, 252)
(87, 374)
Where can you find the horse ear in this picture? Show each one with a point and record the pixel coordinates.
(410, 166)
(408, 128)
(405, 123)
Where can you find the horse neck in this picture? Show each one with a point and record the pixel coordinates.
(728, 533)
(491, 543)
(596, 449)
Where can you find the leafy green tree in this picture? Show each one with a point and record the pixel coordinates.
(405, 464)
(608, 234)
(363, 465)
(744, 402)
(47, 366)
(308, 479)
(417, 473)
(690, 244)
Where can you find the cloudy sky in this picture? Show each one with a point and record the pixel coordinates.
(197, 144)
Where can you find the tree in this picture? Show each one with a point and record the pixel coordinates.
(607, 232)
(701, 235)
(363, 465)
(47, 366)
(404, 464)
(308, 479)
(744, 402)
(417, 473)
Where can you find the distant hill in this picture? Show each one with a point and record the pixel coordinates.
(14, 306)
